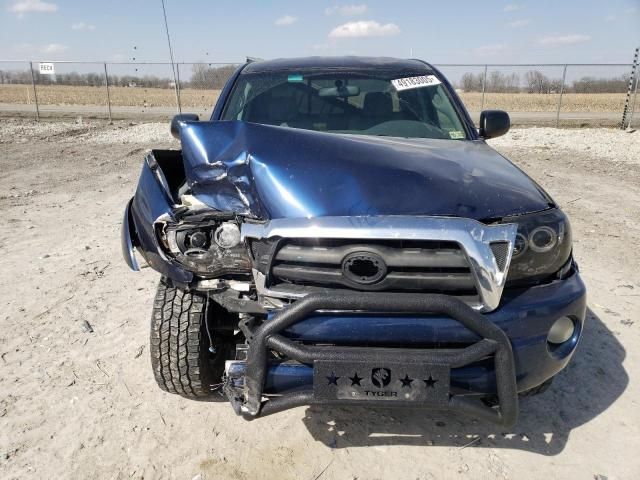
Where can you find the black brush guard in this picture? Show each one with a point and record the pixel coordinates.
(265, 338)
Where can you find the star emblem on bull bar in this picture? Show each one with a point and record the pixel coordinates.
(406, 381)
(355, 380)
(333, 379)
(430, 382)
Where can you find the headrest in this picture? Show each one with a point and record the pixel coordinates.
(377, 104)
(282, 109)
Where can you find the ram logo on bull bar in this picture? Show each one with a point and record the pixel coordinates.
(380, 377)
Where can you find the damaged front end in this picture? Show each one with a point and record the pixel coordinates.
(176, 234)
(379, 266)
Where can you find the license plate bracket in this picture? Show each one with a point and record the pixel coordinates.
(385, 381)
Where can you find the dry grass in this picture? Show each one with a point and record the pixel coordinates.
(120, 96)
(539, 102)
(158, 97)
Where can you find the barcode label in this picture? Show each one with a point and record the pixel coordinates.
(415, 82)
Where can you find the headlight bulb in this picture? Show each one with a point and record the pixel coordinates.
(227, 235)
(542, 239)
(198, 240)
(520, 245)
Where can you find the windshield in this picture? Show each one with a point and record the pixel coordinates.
(384, 104)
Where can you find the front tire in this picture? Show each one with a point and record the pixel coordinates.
(180, 356)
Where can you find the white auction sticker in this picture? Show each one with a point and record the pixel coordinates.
(47, 69)
(415, 82)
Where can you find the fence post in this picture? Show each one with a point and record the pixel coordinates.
(633, 105)
(106, 80)
(632, 77)
(564, 76)
(35, 95)
(484, 86)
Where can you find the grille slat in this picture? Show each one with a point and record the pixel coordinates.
(415, 266)
(394, 257)
(414, 281)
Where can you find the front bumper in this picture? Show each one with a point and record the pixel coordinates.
(248, 400)
(432, 329)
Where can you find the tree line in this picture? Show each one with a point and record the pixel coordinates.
(535, 81)
(201, 77)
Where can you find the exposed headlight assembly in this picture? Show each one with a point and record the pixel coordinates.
(209, 248)
(542, 246)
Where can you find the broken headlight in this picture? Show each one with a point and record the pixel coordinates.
(209, 249)
(542, 247)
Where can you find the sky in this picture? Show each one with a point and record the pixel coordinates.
(542, 31)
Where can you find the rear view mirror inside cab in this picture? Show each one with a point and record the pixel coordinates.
(340, 91)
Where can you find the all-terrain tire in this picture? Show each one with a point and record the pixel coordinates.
(180, 356)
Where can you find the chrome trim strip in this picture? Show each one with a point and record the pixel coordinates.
(126, 240)
(261, 286)
(473, 237)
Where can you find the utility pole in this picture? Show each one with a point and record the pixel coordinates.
(173, 65)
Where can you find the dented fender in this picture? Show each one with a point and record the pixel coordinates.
(151, 202)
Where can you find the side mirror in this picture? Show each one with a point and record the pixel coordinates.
(178, 121)
(494, 123)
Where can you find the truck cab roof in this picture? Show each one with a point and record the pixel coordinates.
(337, 63)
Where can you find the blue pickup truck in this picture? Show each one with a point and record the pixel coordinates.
(339, 232)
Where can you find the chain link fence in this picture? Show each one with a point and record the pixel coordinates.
(553, 95)
(132, 91)
(558, 95)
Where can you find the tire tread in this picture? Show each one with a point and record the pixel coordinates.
(178, 353)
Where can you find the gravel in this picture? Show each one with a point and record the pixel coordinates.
(21, 131)
(141, 133)
(82, 404)
(613, 144)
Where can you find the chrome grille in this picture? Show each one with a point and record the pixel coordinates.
(488, 249)
(419, 266)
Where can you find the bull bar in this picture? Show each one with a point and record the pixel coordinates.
(251, 403)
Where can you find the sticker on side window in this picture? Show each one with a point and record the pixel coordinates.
(456, 134)
(407, 83)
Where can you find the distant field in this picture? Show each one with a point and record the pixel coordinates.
(539, 102)
(120, 96)
(190, 98)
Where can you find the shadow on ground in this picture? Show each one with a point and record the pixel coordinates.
(592, 382)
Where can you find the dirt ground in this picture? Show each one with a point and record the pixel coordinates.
(78, 399)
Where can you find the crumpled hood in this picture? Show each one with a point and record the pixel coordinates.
(277, 172)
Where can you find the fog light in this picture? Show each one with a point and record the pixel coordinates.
(561, 331)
